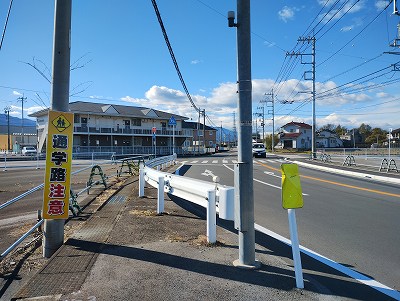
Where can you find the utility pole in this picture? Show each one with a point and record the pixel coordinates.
(7, 111)
(198, 134)
(271, 111)
(220, 136)
(22, 99)
(204, 128)
(244, 193)
(312, 41)
(255, 122)
(53, 235)
(234, 129)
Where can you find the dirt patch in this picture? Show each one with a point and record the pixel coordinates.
(21, 230)
(143, 212)
(201, 240)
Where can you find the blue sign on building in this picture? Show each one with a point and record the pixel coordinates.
(172, 121)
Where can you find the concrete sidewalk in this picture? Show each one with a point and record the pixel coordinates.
(125, 251)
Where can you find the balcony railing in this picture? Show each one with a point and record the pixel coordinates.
(125, 131)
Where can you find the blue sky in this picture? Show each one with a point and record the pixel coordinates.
(119, 57)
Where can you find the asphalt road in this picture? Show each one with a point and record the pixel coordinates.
(351, 221)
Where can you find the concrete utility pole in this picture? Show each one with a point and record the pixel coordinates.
(272, 111)
(204, 128)
(312, 41)
(22, 99)
(263, 119)
(53, 235)
(234, 129)
(244, 194)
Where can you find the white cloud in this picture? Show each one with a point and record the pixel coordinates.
(195, 62)
(347, 28)
(381, 4)
(16, 93)
(286, 13)
(349, 7)
(223, 101)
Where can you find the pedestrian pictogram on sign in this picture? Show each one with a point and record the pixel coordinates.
(172, 121)
(61, 123)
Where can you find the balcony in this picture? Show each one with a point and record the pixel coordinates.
(125, 131)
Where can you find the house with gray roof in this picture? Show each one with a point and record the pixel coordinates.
(296, 135)
(119, 128)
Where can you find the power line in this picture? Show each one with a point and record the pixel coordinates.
(359, 33)
(171, 52)
(5, 25)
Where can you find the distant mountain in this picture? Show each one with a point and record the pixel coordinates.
(227, 135)
(15, 121)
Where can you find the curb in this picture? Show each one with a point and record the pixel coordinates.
(361, 175)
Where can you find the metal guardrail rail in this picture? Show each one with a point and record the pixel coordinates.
(73, 197)
(214, 197)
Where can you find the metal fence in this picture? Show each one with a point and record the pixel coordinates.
(40, 221)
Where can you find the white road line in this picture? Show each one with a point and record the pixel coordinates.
(234, 161)
(333, 264)
(270, 173)
(267, 184)
(225, 161)
(205, 161)
(194, 161)
(215, 161)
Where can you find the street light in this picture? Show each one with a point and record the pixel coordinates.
(7, 111)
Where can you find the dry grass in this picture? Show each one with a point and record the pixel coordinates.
(143, 212)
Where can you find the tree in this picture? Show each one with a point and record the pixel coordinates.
(328, 127)
(377, 135)
(268, 141)
(341, 130)
(364, 130)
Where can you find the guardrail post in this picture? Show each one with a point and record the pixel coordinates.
(211, 217)
(141, 179)
(160, 196)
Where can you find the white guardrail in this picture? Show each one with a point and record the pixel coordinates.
(214, 197)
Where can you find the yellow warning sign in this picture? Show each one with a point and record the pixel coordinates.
(61, 123)
(57, 180)
(292, 196)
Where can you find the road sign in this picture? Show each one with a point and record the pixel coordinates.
(58, 165)
(292, 196)
(172, 121)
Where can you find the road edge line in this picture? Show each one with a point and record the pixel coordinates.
(333, 264)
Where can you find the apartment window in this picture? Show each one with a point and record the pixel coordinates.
(127, 123)
(200, 133)
(76, 118)
(136, 122)
(291, 130)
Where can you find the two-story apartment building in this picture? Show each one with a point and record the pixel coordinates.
(127, 129)
(199, 135)
(296, 135)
